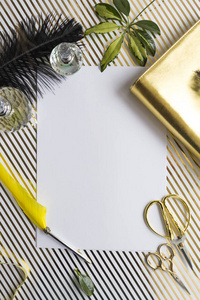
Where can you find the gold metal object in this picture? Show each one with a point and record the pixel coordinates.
(159, 258)
(170, 89)
(171, 224)
(168, 218)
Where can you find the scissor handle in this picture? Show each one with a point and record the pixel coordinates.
(156, 258)
(156, 261)
(174, 196)
(167, 214)
(168, 227)
(169, 256)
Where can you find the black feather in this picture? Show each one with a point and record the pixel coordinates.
(24, 53)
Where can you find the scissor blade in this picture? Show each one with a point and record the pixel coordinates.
(180, 244)
(186, 255)
(179, 282)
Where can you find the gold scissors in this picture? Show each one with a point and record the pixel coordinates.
(160, 260)
(171, 223)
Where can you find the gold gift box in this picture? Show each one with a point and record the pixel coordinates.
(170, 89)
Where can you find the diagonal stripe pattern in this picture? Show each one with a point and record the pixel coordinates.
(116, 275)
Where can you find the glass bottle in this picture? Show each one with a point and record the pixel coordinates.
(15, 109)
(66, 58)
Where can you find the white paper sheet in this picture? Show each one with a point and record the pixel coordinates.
(101, 158)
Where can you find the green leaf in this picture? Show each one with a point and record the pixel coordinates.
(86, 283)
(148, 25)
(102, 28)
(107, 11)
(153, 34)
(112, 52)
(146, 40)
(123, 6)
(138, 50)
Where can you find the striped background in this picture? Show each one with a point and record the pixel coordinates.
(116, 275)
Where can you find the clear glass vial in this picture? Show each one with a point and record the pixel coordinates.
(66, 58)
(15, 109)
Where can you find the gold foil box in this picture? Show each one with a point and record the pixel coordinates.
(170, 89)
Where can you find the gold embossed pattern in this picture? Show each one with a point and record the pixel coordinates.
(116, 275)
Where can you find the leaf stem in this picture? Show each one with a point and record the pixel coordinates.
(77, 271)
(142, 11)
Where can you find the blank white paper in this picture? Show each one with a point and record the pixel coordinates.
(101, 158)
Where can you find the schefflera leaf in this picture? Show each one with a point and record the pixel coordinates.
(112, 51)
(138, 50)
(102, 28)
(107, 11)
(148, 25)
(123, 6)
(86, 283)
(147, 41)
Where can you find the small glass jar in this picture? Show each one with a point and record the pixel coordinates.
(15, 109)
(66, 58)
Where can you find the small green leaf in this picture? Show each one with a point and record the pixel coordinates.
(112, 52)
(107, 11)
(102, 28)
(138, 50)
(146, 40)
(86, 283)
(148, 25)
(123, 6)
